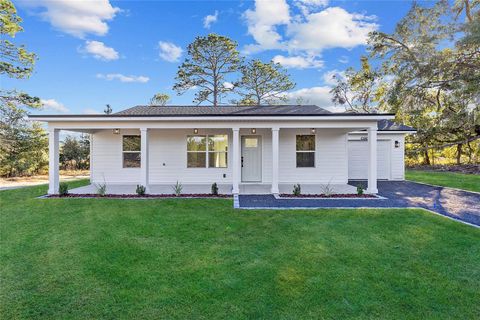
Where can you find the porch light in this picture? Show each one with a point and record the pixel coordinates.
(116, 131)
(195, 131)
(313, 130)
(254, 130)
(397, 144)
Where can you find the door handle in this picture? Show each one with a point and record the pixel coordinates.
(242, 161)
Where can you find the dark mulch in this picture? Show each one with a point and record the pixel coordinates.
(128, 196)
(463, 168)
(349, 195)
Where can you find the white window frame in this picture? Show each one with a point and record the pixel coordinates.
(309, 151)
(208, 151)
(124, 152)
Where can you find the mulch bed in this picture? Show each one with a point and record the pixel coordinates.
(464, 168)
(130, 196)
(349, 195)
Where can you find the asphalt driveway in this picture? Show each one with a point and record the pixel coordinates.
(461, 205)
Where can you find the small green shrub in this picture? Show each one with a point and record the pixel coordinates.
(297, 189)
(359, 190)
(177, 189)
(63, 189)
(215, 189)
(101, 189)
(140, 190)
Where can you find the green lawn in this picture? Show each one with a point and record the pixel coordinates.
(447, 179)
(174, 258)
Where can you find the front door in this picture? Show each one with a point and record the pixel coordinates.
(251, 158)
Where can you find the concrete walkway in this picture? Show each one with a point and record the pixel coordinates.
(461, 205)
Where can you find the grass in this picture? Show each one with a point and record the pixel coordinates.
(200, 259)
(468, 182)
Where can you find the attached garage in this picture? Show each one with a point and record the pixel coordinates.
(390, 152)
(358, 159)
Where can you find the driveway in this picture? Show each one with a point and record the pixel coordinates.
(461, 205)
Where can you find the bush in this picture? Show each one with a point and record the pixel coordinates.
(177, 189)
(101, 189)
(140, 190)
(359, 190)
(215, 189)
(63, 189)
(297, 189)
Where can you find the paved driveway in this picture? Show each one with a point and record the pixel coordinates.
(461, 205)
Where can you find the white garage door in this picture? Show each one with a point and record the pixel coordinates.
(358, 159)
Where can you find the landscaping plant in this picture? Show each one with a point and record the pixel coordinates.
(359, 190)
(140, 190)
(297, 189)
(177, 189)
(101, 189)
(215, 189)
(63, 189)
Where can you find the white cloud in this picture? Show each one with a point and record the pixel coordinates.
(91, 111)
(319, 96)
(54, 105)
(333, 27)
(262, 24)
(298, 62)
(123, 78)
(330, 77)
(228, 85)
(306, 34)
(77, 18)
(169, 51)
(100, 51)
(210, 19)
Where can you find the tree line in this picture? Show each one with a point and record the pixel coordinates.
(427, 72)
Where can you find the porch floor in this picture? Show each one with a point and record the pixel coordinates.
(245, 188)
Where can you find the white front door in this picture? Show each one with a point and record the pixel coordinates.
(358, 159)
(251, 158)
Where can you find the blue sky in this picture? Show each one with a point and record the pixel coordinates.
(94, 52)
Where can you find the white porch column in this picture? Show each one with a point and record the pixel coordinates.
(372, 161)
(53, 160)
(275, 152)
(144, 165)
(236, 161)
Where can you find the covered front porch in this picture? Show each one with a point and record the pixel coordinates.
(163, 155)
(244, 188)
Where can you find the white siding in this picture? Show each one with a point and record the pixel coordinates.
(168, 158)
(395, 156)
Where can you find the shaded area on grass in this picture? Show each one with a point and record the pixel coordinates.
(469, 182)
(199, 258)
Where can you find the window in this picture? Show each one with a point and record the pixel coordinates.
(305, 151)
(207, 151)
(131, 151)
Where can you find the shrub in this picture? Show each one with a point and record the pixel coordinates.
(215, 189)
(297, 189)
(101, 189)
(327, 189)
(140, 190)
(177, 189)
(359, 190)
(63, 189)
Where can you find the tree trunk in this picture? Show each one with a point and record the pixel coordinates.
(459, 153)
(426, 158)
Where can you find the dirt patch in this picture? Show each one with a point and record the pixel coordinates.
(18, 182)
(464, 168)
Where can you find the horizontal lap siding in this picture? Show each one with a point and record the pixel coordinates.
(169, 147)
(330, 161)
(108, 159)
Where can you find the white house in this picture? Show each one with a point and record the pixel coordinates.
(244, 149)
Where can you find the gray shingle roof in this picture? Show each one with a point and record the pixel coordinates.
(387, 125)
(275, 110)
